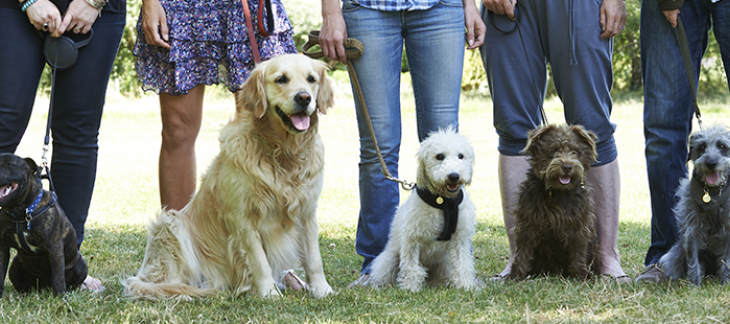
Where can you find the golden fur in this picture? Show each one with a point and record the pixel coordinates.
(254, 213)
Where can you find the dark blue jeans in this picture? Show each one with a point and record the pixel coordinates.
(77, 107)
(668, 103)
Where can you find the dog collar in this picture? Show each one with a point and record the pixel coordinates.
(450, 206)
(26, 216)
(705, 199)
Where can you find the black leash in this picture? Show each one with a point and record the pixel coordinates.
(687, 60)
(516, 27)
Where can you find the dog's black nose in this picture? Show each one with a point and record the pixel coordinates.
(711, 165)
(303, 98)
(454, 177)
(567, 168)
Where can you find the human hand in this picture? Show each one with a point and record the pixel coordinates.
(154, 24)
(79, 17)
(502, 7)
(44, 15)
(613, 17)
(672, 16)
(475, 28)
(333, 32)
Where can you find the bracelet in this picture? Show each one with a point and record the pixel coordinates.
(97, 4)
(27, 4)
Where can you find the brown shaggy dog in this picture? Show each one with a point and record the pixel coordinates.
(254, 213)
(554, 229)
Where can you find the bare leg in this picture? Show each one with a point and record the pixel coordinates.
(606, 184)
(512, 172)
(181, 119)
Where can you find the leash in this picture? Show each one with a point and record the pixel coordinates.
(264, 31)
(516, 27)
(354, 49)
(687, 60)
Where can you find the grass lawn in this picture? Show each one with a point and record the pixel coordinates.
(126, 197)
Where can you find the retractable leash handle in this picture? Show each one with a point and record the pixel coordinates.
(61, 53)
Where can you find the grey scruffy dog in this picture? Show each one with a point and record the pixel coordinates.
(703, 212)
(33, 223)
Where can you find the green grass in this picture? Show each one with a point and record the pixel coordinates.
(126, 197)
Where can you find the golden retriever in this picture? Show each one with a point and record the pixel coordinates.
(254, 213)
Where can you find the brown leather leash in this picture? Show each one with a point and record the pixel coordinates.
(264, 31)
(354, 49)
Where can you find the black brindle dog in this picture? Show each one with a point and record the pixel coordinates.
(32, 222)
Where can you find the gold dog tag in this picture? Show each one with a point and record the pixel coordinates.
(439, 200)
(706, 198)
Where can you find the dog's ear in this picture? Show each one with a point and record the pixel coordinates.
(252, 96)
(588, 137)
(325, 95)
(534, 135)
(696, 143)
(32, 165)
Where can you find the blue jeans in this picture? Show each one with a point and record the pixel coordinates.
(668, 107)
(77, 107)
(434, 42)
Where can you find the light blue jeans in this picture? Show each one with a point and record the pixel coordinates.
(668, 103)
(434, 42)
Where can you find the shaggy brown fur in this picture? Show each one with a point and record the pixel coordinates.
(554, 227)
(254, 213)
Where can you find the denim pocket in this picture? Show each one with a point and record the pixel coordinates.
(350, 6)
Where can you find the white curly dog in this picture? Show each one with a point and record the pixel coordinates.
(429, 240)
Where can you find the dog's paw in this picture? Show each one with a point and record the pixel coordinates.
(410, 286)
(269, 291)
(320, 290)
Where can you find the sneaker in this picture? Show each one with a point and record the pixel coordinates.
(652, 274)
(363, 281)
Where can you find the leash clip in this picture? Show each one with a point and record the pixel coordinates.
(28, 219)
(403, 183)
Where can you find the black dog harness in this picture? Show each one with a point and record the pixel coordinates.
(450, 206)
(23, 220)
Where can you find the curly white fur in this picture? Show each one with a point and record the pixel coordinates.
(413, 256)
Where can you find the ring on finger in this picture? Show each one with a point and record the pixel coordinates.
(77, 28)
(45, 27)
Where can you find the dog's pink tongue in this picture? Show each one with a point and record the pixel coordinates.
(712, 177)
(301, 122)
(564, 180)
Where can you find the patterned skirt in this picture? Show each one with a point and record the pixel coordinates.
(209, 45)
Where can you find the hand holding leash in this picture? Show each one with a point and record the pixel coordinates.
(354, 49)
